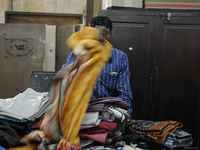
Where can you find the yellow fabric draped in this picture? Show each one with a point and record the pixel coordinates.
(62, 122)
(78, 93)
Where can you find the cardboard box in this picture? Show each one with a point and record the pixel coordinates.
(50, 50)
(22, 51)
(62, 50)
(128, 3)
(172, 4)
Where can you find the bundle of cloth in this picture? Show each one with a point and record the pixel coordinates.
(103, 123)
(28, 105)
(8, 136)
(19, 113)
(164, 133)
(71, 91)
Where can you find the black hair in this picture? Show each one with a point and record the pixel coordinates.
(102, 21)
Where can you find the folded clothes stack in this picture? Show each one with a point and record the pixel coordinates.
(104, 121)
(19, 114)
(28, 105)
(179, 138)
(163, 133)
(24, 110)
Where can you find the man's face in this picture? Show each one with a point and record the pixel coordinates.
(105, 32)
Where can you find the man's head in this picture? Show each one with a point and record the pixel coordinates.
(104, 24)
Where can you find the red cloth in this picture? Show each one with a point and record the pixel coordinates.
(36, 125)
(102, 128)
(100, 137)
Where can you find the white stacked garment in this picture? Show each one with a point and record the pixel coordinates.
(27, 105)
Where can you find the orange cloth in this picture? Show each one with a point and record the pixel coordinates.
(162, 129)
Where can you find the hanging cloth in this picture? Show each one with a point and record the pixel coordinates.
(72, 88)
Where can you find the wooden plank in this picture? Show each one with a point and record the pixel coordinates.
(172, 4)
(48, 18)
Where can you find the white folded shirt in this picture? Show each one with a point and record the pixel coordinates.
(90, 118)
(24, 105)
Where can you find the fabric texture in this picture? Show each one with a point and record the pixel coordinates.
(90, 118)
(28, 105)
(72, 87)
(99, 137)
(114, 80)
(155, 130)
(110, 101)
(103, 127)
(179, 138)
(8, 136)
(1, 148)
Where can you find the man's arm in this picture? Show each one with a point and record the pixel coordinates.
(70, 59)
(123, 83)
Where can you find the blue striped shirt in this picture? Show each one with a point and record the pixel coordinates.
(114, 80)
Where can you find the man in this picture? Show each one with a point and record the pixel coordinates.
(114, 80)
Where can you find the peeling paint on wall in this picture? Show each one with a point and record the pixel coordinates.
(106, 3)
(34, 5)
(5, 5)
(51, 6)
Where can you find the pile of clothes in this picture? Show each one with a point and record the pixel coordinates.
(104, 121)
(20, 114)
(166, 134)
(105, 124)
(72, 120)
(28, 105)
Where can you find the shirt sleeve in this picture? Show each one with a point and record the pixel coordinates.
(123, 86)
(70, 59)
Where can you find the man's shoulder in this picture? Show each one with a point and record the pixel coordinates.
(118, 52)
